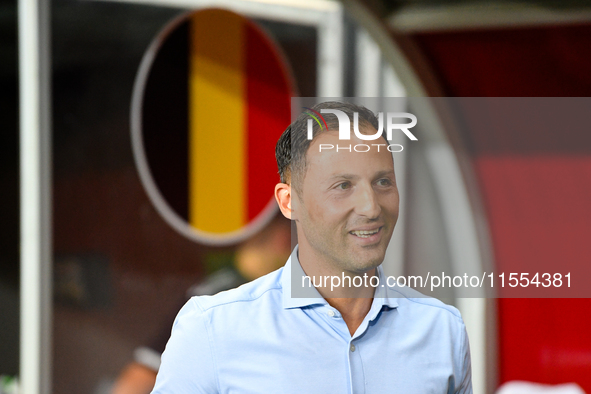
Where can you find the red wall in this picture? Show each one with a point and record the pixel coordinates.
(548, 190)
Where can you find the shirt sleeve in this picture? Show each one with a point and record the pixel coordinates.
(188, 364)
(465, 379)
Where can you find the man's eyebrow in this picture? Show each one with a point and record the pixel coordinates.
(342, 176)
(384, 173)
(353, 176)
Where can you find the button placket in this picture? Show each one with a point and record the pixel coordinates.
(356, 369)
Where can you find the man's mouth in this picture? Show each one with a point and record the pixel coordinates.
(365, 233)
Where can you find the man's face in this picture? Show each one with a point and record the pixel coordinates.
(349, 205)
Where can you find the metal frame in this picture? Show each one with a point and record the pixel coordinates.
(392, 87)
(35, 196)
(419, 18)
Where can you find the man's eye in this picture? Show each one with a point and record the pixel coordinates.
(384, 182)
(344, 185)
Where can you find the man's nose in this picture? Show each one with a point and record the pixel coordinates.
(366, 203)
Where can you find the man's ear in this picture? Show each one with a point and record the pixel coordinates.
(283, 196)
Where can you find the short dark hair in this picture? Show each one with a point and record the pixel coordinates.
(293, 144)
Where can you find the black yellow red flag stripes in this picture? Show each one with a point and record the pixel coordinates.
(216, 100)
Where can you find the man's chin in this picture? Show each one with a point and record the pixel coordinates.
(364, 265)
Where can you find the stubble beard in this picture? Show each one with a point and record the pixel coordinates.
(340, 256)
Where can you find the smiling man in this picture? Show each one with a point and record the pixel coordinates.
(345, 209)
(292, 331)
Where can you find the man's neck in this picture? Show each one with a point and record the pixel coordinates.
(353, 302)
(353, 310)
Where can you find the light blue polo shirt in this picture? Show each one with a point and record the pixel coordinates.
(258, 339)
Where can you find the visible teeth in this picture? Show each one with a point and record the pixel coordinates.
(365, 234)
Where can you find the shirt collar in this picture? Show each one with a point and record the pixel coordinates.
(383, 295)
(312, 296)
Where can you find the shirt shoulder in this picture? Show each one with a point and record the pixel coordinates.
(267, 285)
(410, 298)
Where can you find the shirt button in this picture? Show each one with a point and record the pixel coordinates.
(352, 347)
(331, 313)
